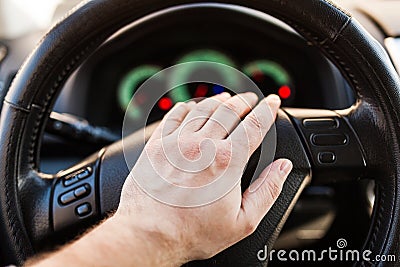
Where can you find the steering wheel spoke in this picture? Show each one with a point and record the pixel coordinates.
(77, 129)
(332, 144)
(75, 194)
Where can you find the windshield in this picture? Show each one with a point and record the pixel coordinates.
(18, 17)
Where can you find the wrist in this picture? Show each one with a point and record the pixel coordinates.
(119, 241)
(156, 246)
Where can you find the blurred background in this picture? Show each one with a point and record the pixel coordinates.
(18, 17)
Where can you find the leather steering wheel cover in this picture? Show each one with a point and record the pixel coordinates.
(360, 59)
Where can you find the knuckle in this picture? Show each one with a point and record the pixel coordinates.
(255, 122)
(223, 157)
(274, 188)
(255, 140)
(229, 106)
(182, 106)
(174, 119)
(214, 128)
(190, 150)
(203, 108)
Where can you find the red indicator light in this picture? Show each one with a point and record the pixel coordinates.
(258, 76)
(284, 92)
(165, 103)
(201, 90)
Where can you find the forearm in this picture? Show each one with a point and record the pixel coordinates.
(117, 242)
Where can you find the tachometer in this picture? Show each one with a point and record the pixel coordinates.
(271, 78)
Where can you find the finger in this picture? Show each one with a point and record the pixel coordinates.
(203, 110)
(249, 134)
(262, 194)
(227, 116)
(173, 119)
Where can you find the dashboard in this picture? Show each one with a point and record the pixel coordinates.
(265, 73)
(272, 55)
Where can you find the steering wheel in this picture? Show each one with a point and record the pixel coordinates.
(362, 141)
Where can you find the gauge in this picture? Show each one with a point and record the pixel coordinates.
(206, 55)
(202, 89)
(128, 86)
(271, 78)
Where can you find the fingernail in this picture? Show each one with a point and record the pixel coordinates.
(285, 167)
(274, 101)
(226, 94)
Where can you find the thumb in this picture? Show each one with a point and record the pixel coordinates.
(262, 194)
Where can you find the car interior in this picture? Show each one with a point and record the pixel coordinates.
(68, 71)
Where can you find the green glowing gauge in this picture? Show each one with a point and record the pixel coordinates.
(271, 78)
(268, 68)
(207, 55)
(131, 81)
(182, 93)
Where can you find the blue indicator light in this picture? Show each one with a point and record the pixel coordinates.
(217, 89)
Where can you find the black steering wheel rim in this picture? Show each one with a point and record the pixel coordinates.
(360, 59)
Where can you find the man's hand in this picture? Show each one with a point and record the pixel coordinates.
(162, 219)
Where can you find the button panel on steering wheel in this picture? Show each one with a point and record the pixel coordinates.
(331, 143)
(74, 196)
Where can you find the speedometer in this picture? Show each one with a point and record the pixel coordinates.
(202, 89)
